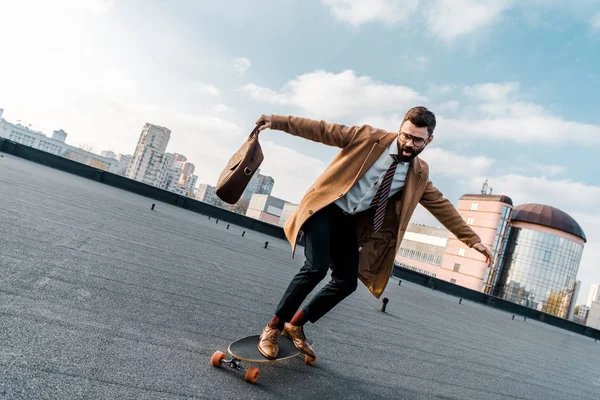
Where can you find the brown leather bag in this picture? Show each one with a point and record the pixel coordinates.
(240, 169)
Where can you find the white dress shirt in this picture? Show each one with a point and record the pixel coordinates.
(359, 197)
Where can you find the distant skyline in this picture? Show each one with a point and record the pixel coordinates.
(514, 86)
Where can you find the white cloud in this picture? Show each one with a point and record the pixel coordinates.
(331, 95)
(207, 88)
(447, 19)
(448, 163)
(358, 12)
(588, 268)
(494, 110)
(539, 129)
(440, 90)
(293, 171)
(241, 65)
(97, 6)
(595, 22)
(108, 82)
(565, 194)
(223, 108)
(523, 166)
(451, 19)
(491, 92)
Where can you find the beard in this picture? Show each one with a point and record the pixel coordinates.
(409, 149)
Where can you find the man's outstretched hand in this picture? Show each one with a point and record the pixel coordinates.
(266, 119)
(480, 247)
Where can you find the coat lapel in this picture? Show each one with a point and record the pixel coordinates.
(376, 151)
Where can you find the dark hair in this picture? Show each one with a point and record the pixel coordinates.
(421, 117)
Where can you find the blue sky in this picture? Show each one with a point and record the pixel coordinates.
(515, 85)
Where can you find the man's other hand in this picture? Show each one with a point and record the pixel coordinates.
(480, 247)
(264, 119)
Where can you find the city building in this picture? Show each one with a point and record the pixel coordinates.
(55, 145)
(594, 295)
(179, 175)
(542, 259)
(32, 138)
(208, 194)
(59, 135)
(108, 154)
(422, 250)
(286, 213)
(488, 215)
(266, 208)
(593, 317)
(574, 300)
(150, 161)
(537, 250)
(583, 312)
(258, 184)
(124, 160)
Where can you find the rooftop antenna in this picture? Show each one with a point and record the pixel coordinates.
(484, 187)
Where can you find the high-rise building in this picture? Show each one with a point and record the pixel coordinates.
(150, 161)
(537, 250)
(542, 257)
(594, 295)
(1, 112)
(124, 160)
(593, 317)
(488, 215)
(574, 300)
(208, 194)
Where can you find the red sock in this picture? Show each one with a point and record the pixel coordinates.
(299, 319)
(276, 323)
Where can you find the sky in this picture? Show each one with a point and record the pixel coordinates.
(515, 86)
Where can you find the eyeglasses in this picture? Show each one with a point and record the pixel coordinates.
(417, 141)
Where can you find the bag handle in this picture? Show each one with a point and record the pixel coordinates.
(255, 131)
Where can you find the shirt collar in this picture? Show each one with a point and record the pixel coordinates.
(393, 149)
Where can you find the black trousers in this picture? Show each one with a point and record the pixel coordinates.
(331, 242)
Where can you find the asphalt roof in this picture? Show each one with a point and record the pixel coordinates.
(102, 298)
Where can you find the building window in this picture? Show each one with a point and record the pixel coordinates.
(474, 206)
(456, 267)
(470, 220)
(452, 280)
(547, 255)
(461, 252)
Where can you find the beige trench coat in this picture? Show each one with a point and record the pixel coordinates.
(361, 147)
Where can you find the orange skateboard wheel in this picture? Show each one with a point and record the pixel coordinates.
(217, 358)
(310, 360)
(252, 374)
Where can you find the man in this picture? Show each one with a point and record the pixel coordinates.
(354, 216)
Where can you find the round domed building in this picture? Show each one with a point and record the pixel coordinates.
(540, 260)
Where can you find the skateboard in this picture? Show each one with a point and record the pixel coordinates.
(245, 349)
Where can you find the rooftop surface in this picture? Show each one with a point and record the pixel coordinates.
(102, 298)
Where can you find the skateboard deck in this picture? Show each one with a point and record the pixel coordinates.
(246, 349)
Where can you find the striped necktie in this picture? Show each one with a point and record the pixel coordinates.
(381, 197)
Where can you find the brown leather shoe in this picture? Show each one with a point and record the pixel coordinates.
(268, 345)
(296, 333)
